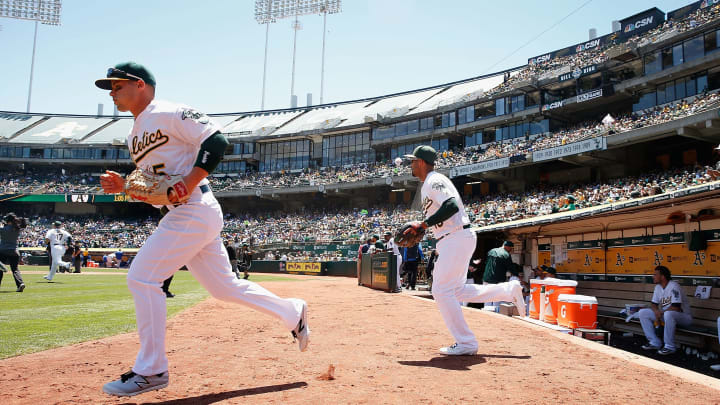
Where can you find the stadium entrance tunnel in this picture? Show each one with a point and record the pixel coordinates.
(485, 242)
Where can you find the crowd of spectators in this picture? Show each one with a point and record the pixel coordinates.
(357, 225)
(52, 182)
(506, 207)
(93, 232)
(490, 151)
(559, 65)
(668, 28)
(47, 182)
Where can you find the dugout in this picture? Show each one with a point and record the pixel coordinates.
(612, 250)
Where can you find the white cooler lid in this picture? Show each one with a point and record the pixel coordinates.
(538, 281)
(582, 299)
(560, 283)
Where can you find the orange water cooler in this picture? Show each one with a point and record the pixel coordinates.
(553, 288)
(535, 287)
(577, 311)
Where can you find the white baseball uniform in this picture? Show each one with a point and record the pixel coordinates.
(664, 298)
(455, 246)
(166, 137)
(58, 239)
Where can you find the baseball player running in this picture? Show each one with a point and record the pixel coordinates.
(56, 239)
(444, 210)
(170, 139)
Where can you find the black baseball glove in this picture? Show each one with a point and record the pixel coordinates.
(409, 234)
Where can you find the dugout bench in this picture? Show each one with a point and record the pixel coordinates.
(612, 295)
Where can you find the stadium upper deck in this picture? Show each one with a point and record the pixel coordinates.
(618, 73)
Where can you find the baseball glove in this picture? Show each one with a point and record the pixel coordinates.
(409, 234)
(156, 189)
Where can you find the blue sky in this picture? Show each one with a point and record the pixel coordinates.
(210, 54)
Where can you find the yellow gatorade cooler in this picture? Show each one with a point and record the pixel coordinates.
(535, 286)
(577, 311)
(553, 288)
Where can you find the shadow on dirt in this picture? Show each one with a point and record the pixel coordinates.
(222, 396)
(457, 362)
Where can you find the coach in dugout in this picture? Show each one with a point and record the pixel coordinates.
(668, 305)
(498, 264)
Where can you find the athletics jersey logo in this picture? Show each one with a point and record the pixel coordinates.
(438, 185)
(149, 141)
(196, 116)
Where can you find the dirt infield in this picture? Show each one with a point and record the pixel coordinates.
(383, 348)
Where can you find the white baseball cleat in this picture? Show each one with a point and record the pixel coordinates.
(456, 350)
(301, 333)
(131, 384)
(46, 278)
(518, 298)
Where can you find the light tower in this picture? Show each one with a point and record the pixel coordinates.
(44, 11)
(269, 11)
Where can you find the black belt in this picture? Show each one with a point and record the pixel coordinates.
(466, 226)
(205, 188)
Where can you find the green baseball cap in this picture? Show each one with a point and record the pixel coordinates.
(424, 152)
(126, 71)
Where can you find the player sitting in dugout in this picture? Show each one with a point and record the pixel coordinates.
(668, 306)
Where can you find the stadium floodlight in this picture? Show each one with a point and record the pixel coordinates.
(41, 11)
(269, 11)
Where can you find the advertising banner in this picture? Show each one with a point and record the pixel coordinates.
(552, 106)
(675, 256)
(480, 167)
(690, 8)
(578, 73)
(303, 267)
(590, 95)
(641, 22)
(583, 261)
(598, 143)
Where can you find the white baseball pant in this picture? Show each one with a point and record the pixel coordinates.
(398, 265)
(190, 235)
(56, 254)
(671, 318)
(449, 288)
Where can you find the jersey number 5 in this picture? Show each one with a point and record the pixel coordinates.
(158, 169)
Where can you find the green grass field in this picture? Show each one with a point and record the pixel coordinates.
(79, 307)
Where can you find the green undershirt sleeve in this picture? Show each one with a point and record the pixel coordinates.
(446, 210)
(211, 152)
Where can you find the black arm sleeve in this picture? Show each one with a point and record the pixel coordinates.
(211, 152)
(446, 210)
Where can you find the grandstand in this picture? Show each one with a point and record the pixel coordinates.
(607, 110)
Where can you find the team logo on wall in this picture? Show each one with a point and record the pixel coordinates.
(79, 198)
